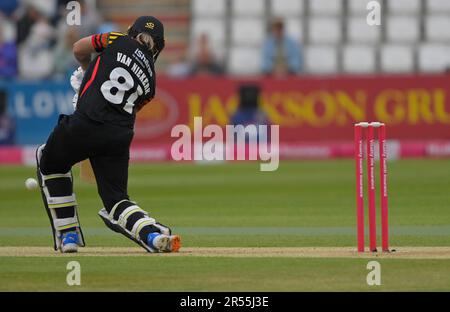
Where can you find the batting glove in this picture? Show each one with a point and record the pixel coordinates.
(75, 82)
(76, 79)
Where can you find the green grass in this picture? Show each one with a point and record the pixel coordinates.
(222, 274)
(309, 203)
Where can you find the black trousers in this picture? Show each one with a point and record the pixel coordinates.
(76, 138)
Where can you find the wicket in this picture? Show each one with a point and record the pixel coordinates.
(370, 155)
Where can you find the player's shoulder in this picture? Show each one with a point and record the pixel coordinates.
(102, 41)
(113, 36)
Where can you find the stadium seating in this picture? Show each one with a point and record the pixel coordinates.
(247, 31)
(248, 7)
(326, 7)
(294, 27)
(437, 28)
(209, 8)
(287, 8)
(321, 59)
(357, 7)
(404, 6)
(334, 35)
(214, 28)
(396, 59)
(434, 57)
(401, 29)
(358, 59)
(244, 60)
(438, 6)
(325, 30)
(359, 32)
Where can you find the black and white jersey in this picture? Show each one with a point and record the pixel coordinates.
(118, 81)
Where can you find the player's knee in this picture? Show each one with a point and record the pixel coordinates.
(49, 166)
(45, 167)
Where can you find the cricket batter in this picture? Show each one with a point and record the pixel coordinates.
(112, 88)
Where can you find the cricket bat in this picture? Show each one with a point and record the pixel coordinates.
(86, 172)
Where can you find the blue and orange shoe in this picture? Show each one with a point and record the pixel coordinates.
(164, 243)
(69, 242)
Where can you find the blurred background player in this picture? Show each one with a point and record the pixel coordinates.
(115, 85)
(249, 111)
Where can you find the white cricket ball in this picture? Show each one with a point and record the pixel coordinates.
(31, 183)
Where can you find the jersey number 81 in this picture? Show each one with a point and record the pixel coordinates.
(114, 89)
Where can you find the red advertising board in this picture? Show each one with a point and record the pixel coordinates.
(312, 109)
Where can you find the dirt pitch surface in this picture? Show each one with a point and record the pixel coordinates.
(292, 252)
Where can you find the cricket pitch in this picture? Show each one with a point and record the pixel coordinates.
(237, 252)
